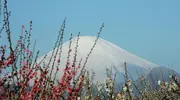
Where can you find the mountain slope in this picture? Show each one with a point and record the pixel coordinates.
(104, 55)
(159, 73)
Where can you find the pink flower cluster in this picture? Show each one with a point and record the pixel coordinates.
(65, 83)
(26, 74)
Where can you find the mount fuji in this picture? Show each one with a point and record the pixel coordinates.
(104, 55)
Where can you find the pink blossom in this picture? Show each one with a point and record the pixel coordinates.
(79, 66)
(5, 63)
(35, 73)
(19, 41)
(24, 62)
(22, 26)
(27, 50)
(58, 60)
(68, 62)
(22, 96)
(22, 45)
(58, 69)
(36, 65)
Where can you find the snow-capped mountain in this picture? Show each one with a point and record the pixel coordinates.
(104, 55)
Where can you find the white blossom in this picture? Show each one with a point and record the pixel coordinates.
(125, 89)
(166, 84)
(159, 82)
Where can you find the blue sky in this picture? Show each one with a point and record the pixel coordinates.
(147, 28)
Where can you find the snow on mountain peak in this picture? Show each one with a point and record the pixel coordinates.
(104, 55)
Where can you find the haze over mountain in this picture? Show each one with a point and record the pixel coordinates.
(105, 55)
